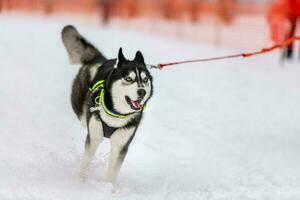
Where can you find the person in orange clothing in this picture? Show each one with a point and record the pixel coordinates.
(282, 19)
(106, 7)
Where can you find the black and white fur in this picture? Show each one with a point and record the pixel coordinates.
(128, 86)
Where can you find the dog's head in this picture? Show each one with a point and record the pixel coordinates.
(128, 82)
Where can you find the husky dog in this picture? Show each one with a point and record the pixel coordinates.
(108, 96)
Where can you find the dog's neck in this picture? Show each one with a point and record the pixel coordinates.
(116, 122)
(108, 102)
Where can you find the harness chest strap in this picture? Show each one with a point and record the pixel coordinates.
(99, 100)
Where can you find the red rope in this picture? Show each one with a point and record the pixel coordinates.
(244, 55)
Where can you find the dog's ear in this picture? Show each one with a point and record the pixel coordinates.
(80, 50)
(121, 58)
(139, 57)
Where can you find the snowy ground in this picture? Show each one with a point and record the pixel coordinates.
(221, 130)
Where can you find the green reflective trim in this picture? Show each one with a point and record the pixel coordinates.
(106, 110)
(144, 107)
(100, 84)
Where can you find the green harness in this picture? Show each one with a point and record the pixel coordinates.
(99, 85)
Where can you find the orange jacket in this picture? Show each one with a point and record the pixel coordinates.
(280, 18)
(294, 7)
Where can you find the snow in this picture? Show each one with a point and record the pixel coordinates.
(220, 130)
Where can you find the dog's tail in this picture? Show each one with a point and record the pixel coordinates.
(80, 50)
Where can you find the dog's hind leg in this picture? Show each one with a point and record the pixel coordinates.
(120, 141)
(93, 139)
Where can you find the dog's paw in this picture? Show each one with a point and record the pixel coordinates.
(82, 176)
(111, 187)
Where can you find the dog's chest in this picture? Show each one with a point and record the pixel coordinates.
(111, 124)
(107, 130)
(115, 122)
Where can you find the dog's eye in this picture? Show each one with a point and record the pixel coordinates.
(145, 80)
(128, 79)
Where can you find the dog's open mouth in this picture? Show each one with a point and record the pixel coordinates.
(135, 105)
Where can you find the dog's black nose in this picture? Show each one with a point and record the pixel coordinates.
(141, 93)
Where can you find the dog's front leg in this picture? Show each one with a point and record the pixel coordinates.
(94, 137)
(120, 141)
(115, 161)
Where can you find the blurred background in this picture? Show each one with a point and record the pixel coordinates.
(227, 129)
(218, 22)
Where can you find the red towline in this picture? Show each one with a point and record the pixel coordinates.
(244, 55)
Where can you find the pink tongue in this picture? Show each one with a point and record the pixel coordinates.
(136, 104)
